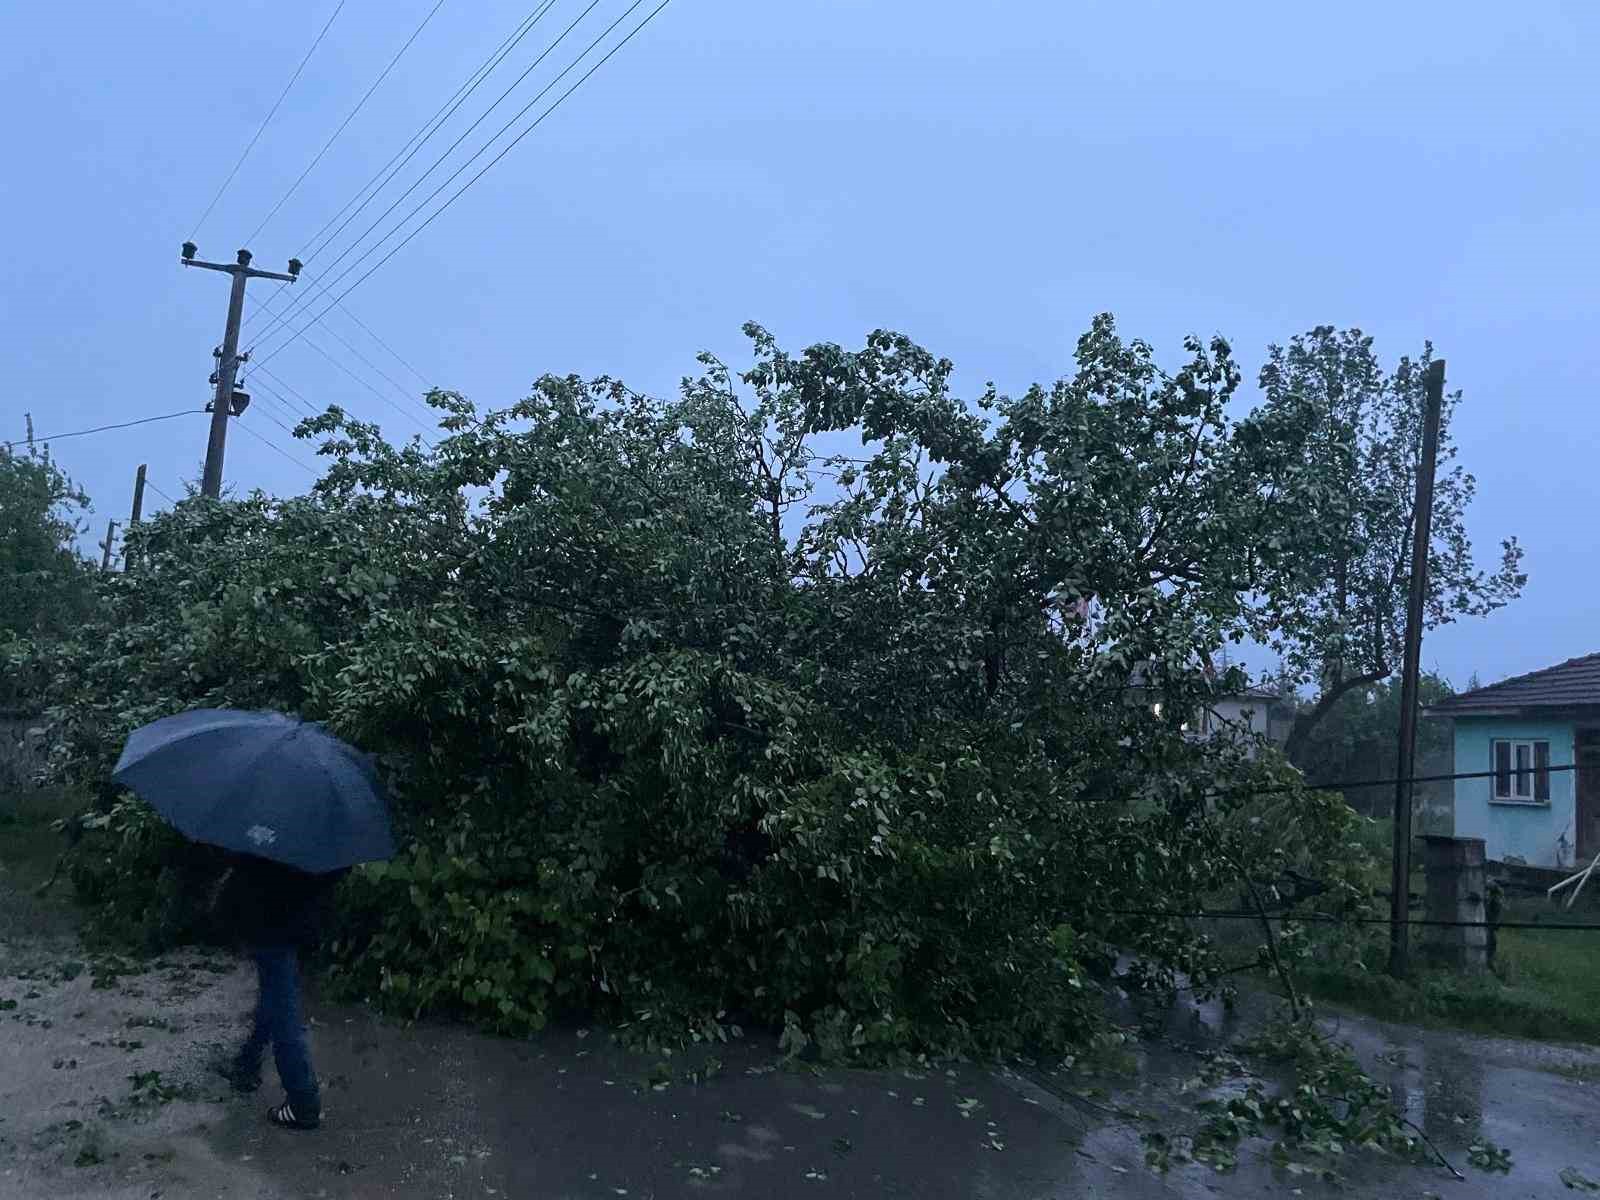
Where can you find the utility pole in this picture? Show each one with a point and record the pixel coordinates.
(138, 495)
(111, 538)
(228, 360)
(138, 508)
(1421, 539)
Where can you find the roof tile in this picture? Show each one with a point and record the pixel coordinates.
(1574, 682)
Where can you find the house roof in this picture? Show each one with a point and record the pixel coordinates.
(1571, 684)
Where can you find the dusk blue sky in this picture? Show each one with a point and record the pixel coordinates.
(984, 178)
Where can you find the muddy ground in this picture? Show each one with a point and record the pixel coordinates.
(105, 1092)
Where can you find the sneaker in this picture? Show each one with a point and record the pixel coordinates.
(285, 1117)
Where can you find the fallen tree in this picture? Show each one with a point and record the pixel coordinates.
(688, 724)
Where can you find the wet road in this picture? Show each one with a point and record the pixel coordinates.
(437, 1111)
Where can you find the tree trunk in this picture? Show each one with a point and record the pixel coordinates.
(1300, 731)
(994, 657)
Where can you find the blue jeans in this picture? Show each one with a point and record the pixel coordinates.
(280, 1022)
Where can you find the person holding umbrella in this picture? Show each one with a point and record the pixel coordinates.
(276, 911)
(296, 808)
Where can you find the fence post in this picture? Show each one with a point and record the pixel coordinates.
(1456, 891)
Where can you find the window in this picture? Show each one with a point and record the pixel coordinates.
(1521, 771)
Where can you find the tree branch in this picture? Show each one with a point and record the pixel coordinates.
(1300, 732)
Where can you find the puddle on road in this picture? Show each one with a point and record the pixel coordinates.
(1532, 1098)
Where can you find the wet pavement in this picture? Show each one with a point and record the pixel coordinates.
(1539, 1100)
(439, 1111)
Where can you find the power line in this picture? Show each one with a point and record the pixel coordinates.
(384, 74)
(343, 341)
(366, 384)
(304, 299)
(322, 289)
(267, 120)
(159, 492)
(1348, 784)
(393, 382)
(286, 386)
(268, 442)
(273, 398)
(1333, 919)
(395, 354)
(491, 163)
(56, 437)
(363, 382)
(467, 132)
(416, 413)
(1352, 784)
(266, 306)
(431, 126)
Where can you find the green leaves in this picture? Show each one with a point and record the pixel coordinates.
(676, 728)
(1343, 489)
(1486, 1156)
(46, 586)
(1332, 1105)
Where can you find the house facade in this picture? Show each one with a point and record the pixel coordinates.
(1535, 739)
(1247, 716)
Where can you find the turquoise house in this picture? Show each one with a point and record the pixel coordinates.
(1536, 741)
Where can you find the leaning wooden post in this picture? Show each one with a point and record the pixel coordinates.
(111, 538)
(138, 508)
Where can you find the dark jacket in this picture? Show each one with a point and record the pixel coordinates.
(264, 903)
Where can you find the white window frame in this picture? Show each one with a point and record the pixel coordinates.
(1517, 778)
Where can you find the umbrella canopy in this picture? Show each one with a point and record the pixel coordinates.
(261, 783)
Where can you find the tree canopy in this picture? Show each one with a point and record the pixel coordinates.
(45, 584)
(1339, 624)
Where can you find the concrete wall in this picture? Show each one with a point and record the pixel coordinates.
(1434, 803)
(1541, 835)
(1243, 716)
(22, 752)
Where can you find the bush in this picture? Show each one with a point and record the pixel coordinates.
(46, 586)
(144, 884)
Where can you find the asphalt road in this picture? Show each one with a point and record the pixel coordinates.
(438, 1111)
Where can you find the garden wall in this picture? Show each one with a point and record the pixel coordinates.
(24, 744)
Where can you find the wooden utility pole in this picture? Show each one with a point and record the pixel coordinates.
(138, 495)
(1421, 540)
(111, 538)
(228, 357)
(138, 508)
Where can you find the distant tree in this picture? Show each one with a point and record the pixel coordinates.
(45, 584)
(1357, 739)
(1338, 619)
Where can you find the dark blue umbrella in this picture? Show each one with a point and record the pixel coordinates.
(261, 783)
